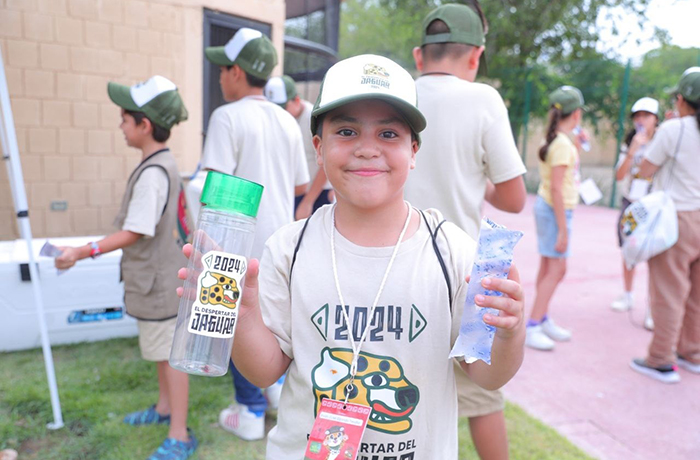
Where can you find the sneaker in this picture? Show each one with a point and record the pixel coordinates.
(173, 449)
(689, 365)
(537, 339)
(272, 394)
(665, 374)
(239, 420)
(147, 417)
(555, 332)
(623, 303)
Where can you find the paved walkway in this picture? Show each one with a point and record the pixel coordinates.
(585, 388)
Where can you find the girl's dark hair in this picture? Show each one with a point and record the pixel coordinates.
(696, 106)
(555, 116)
(159, 133)
(630, 135)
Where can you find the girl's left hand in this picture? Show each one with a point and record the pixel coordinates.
(511, 305)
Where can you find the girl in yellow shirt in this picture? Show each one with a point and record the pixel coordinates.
(556, 200)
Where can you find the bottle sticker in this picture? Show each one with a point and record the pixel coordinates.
(337, 431)
(219, 289)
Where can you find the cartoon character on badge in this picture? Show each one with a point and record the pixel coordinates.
(334, 440)
(379, 383)
(218, 289)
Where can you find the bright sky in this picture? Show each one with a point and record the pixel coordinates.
(679, 17)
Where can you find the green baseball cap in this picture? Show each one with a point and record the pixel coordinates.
(157, 98)
(464, 24)
(280, 90)
(567, 99)
(369, 77)
(250, 49)
(689, 85)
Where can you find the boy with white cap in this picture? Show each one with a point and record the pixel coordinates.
(397, 273)
(253, 138)
(147, 220)
(283, 92)
(468, 155)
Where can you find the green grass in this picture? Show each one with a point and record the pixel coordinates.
(100, 382)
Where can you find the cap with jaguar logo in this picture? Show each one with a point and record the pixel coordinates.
(364, 77)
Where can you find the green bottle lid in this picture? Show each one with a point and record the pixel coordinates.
(231, 193)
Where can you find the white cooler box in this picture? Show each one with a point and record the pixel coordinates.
(85, 303)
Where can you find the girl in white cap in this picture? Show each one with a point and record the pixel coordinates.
(645, 116)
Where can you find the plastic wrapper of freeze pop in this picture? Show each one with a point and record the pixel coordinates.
(493, 259)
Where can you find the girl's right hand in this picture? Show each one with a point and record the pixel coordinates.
(562, 242)
(640, 139)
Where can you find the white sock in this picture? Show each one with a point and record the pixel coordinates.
(629, 296)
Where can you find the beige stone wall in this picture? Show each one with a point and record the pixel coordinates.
(59, 56)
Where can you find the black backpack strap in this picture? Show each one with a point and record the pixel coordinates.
(296, 248)
(441, 261)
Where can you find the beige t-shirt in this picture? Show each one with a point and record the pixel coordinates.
(257, 140)
(147, 202)
(468, 140)
(406, 375)
(561, 152)
(684, 185)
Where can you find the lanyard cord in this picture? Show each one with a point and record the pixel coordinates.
(356, 347)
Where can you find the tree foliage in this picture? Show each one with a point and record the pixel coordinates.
(548, 43)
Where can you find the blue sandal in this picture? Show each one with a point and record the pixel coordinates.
(172, 449)
(147, 417)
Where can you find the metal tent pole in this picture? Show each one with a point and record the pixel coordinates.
(14, 171)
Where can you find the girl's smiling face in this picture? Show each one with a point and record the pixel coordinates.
(366, 150)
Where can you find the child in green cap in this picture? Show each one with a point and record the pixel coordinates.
(468, 156)
(147, 221)
(557, 198)
(369, 290)
(673, 160)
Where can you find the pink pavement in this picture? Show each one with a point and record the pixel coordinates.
(585, 388)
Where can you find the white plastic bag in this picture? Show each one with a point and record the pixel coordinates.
(649, 227)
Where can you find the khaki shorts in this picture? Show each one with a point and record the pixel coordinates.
(156, 338)
(473, 400)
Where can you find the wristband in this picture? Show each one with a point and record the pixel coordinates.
(94, 250)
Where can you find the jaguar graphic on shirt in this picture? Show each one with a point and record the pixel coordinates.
(380, 383)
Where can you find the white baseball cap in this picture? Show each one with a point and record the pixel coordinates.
(646, 104)
(369, 77)
(280, 90)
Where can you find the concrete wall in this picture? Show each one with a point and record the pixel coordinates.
(59, 56)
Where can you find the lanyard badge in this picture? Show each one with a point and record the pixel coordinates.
(339, 425)
(337, 431)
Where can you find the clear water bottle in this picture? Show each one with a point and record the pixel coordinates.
(585, 145)
(209, 306)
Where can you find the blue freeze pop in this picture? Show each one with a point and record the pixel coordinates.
(493, 259)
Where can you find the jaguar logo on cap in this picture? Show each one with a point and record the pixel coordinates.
(375, 75)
